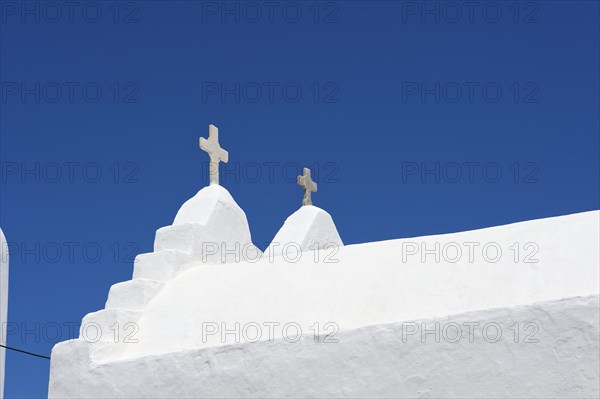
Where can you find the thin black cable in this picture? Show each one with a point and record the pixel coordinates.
(25, 352)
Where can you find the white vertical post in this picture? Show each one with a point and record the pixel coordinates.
(3, 306)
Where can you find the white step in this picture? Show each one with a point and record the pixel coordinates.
(160, 265)
(133, 294)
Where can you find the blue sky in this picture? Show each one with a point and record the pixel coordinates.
(415, 121)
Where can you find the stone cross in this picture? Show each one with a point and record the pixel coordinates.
(308, 185)
(215, 152)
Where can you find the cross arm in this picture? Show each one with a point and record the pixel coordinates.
(223, 155)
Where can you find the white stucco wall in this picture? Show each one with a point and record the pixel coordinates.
(371, 284)
(372, 289)
(372, 361)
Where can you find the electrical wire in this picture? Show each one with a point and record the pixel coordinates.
(25, 352)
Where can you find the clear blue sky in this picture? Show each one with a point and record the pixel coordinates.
(387, 102)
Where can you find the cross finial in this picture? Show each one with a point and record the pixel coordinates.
(215, 152)
(308, 185)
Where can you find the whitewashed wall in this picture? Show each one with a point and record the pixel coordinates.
(370, 293)
(372, 361)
